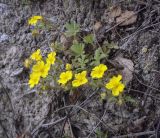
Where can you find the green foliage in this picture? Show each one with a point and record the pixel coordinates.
(112, 46)
(107, 47)
(25, 2)
(82, 61)
(103, 52)
(89, 39)
(51, 72)
(57, 46)
(101, 134)
(72, 29)
(86, 67)
(45, 25)
(130, 100)
(77, 48)
(65, 136)
(98, 55)
(112, 99)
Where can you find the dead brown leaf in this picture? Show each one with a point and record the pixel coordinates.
(128, 65)
(126, 18)
(97, 26)
(66, 42)
(24, 135)
(67, 130)
(115, 11)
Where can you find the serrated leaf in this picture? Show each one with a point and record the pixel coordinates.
(112, 99)
(77, 48)
(98, 56)
(56, 47)
(86, 61)
(100, 134)
(72, 29)
(130, 99)
(79, 59)
(80, 62)
(89, 39)
(112, 46)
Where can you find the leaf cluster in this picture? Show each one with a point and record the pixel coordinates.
(77, 49)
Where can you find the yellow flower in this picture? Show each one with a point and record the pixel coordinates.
(65, 77)
(34, 19)
(34, 79)
(36, 55)
(41, 69)
(115, 85)
(51, 58)
(98, 71)
(68, 66)
(80, 79)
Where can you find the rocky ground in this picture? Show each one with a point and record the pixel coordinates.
(25, 114)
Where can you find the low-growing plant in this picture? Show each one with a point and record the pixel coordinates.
(100, 134)
(37, 24)
(83, 68)
(25, 2)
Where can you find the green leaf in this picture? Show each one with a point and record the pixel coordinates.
(57, 47)
(106, 47)
(101, 134)
(89, 39)
(98, 55)
(130, 100)
(112, 46)
(112, 99)
(77, 48)
(72, 29)
(80, 62)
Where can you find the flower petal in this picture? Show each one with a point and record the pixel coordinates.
(115, 92)
(120, 87)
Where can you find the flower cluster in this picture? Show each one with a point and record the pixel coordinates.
(78, 73)
(80, 78)
(34, 19)
(40, 68)
(115, 84)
